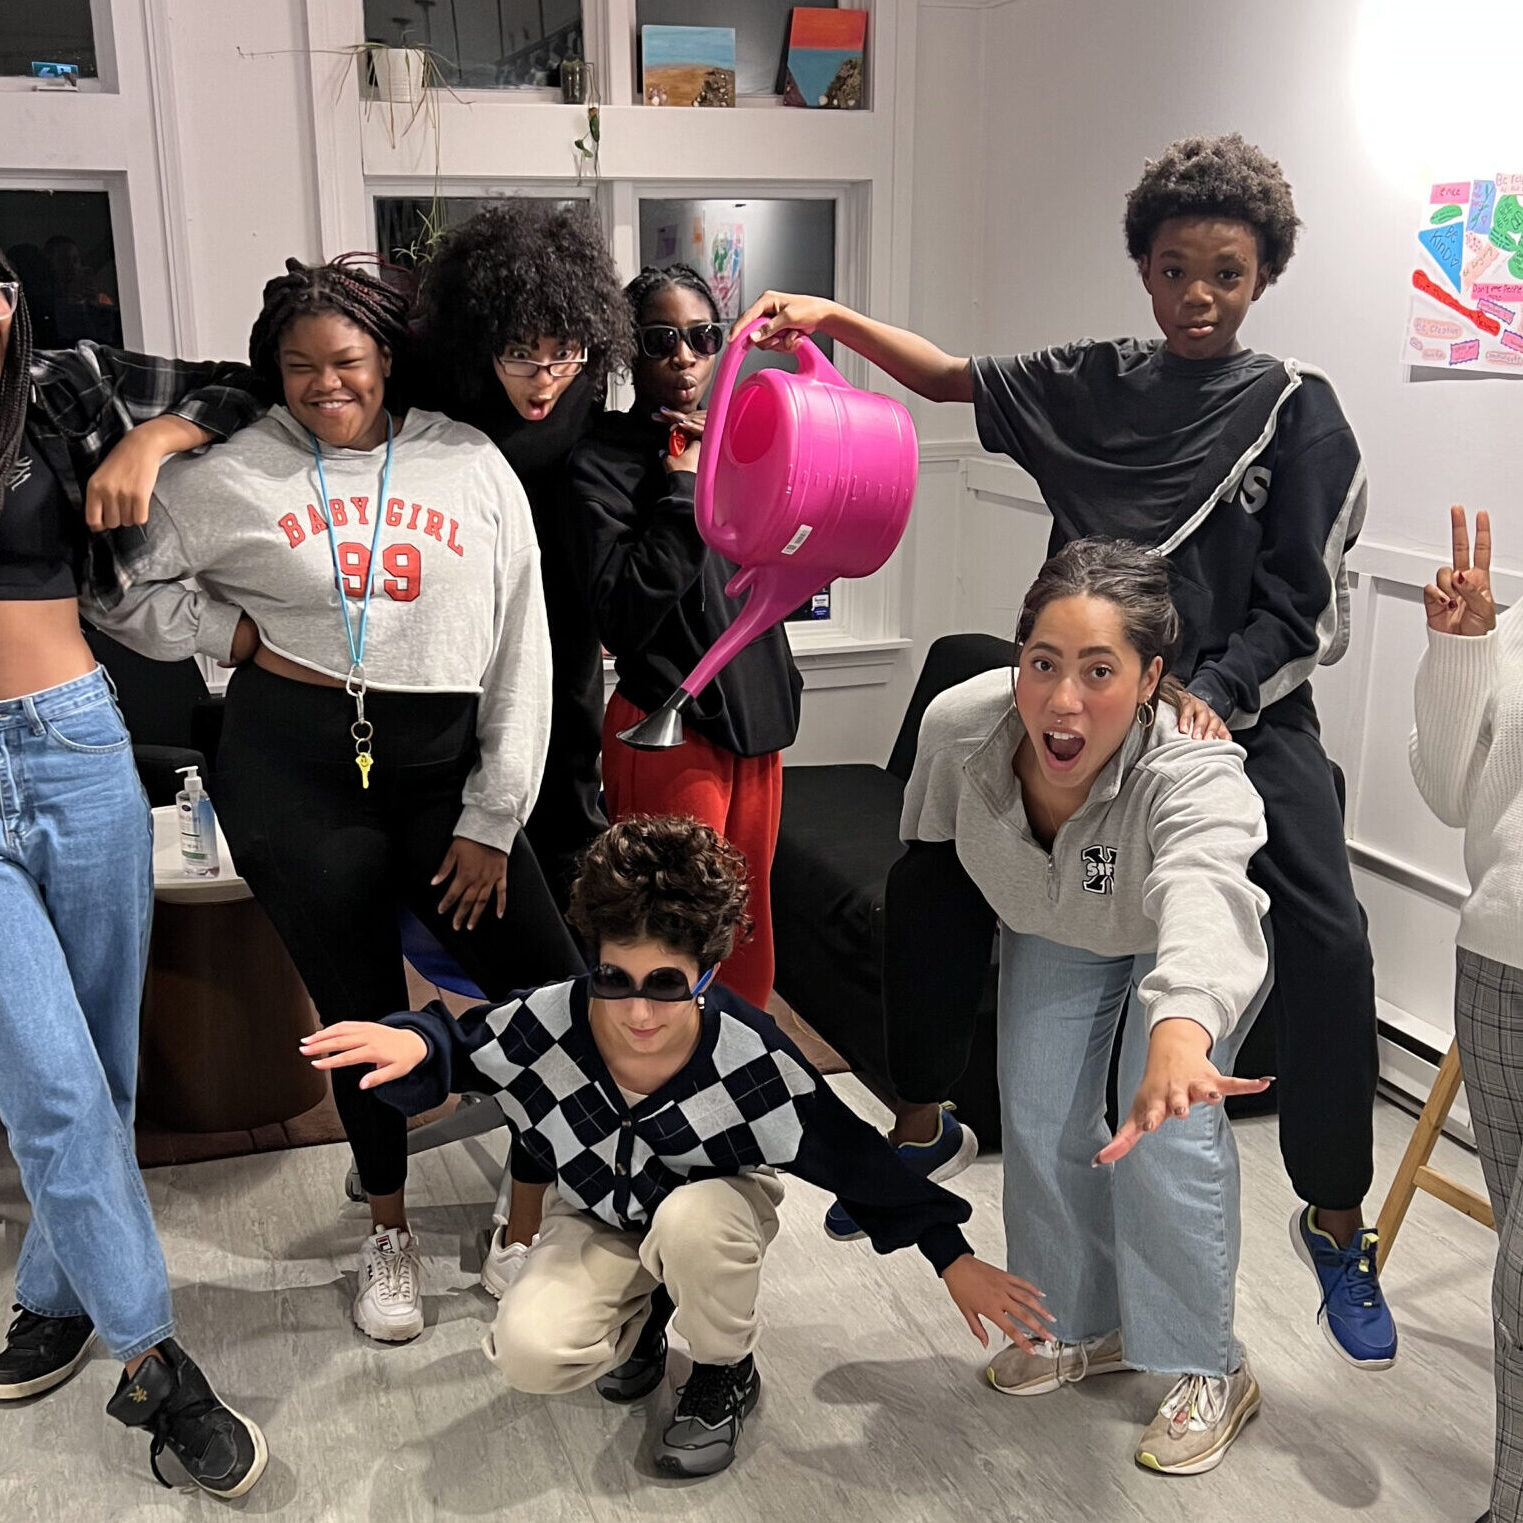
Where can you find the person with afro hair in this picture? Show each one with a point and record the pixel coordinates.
(1243, 471)
(522, 321)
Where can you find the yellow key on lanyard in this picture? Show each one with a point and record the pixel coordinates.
(364, 762)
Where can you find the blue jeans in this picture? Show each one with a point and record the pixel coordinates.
(1149, 1245)
(76, 900)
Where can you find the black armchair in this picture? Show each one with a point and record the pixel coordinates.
(172, 718)
(839, 837)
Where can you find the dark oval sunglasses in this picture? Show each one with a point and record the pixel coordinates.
(667, 986)
(659, 341)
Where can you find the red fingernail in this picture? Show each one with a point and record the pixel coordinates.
(1459, 576)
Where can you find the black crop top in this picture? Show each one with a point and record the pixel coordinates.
(42, 538)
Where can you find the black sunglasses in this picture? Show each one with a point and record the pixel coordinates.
(658, 341)
(668, 986)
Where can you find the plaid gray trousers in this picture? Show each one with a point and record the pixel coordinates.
(1488, 1019)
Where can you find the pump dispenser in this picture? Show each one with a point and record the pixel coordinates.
(198, 828)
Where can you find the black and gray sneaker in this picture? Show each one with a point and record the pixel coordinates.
(42, 1352)
(711, 1410)
(222, 1451)
(645, 1368)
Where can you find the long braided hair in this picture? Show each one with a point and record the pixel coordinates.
(343, 287)
(15, 379)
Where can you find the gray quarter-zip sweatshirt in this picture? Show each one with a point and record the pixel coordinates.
(1155, 860)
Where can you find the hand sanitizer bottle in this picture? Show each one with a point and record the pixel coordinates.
(198, 828)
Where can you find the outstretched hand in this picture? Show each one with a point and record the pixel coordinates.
(346, 1044)
(1179, 1074)
(984, 1293)
(1458, 601)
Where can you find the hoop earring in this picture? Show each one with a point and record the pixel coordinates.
(1147, 713)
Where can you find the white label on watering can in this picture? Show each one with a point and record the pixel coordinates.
(803, 532)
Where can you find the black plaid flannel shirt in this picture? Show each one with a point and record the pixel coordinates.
(84, 401)
(747, 1099)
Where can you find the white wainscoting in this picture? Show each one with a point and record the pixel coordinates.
(1408, 867)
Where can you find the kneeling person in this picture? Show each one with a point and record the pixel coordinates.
(660, 1103)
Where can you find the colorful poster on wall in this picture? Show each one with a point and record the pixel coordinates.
(1467, 278)
(717, 250)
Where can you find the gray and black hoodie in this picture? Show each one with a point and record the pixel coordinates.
(1242, 470)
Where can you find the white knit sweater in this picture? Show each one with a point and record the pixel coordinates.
(1467, 758)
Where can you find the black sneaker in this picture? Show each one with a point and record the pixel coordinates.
(222, 1451)
(711, 1410)
(42, 1352)
(645, 1368)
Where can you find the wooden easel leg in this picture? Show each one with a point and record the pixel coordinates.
(1424, 1138)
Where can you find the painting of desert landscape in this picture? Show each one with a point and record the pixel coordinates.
(688, 65)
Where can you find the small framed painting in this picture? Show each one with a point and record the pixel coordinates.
(824, 64)
(687, 65)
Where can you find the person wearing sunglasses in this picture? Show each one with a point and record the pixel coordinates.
(662, 1103)
(82, 433)
(522, 320)
(658, 601)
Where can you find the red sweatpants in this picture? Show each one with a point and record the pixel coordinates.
(740, 796)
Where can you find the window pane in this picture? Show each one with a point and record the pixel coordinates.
(57, 32)
(402, 222)
(59, 243)
(484, 44)
(761, 33)
(743, 248)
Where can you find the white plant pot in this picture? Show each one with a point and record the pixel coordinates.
(397, 75)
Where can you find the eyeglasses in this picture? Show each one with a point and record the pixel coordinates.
(667, 986)
(659, 341)
(526, 370)
(10, 296)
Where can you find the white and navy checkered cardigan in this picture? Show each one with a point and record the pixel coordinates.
(747, 1099)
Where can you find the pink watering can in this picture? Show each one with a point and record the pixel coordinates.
(802, 479)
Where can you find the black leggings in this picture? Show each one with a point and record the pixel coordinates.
(331, 862)
(937, 931)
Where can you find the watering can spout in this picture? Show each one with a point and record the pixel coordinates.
(661, 729)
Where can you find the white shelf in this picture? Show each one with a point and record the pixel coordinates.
(516, 140)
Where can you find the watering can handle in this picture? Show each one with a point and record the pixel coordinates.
(812, 364)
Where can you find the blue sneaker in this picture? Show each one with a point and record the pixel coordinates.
(946, 1155)
(1353, 1315)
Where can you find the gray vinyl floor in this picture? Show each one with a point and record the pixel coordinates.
(874, 1406)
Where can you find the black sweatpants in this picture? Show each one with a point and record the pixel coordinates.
(938, 931)
(331, 862)
(1322, 1006)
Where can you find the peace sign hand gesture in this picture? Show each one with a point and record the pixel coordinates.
(1458, 601)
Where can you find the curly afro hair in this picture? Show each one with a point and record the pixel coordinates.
(520, 270)
(1215, 177)
(664, 877)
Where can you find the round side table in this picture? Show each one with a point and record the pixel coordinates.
(224, 1007)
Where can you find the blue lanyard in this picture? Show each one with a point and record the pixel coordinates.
(356, 647)
(362, 730)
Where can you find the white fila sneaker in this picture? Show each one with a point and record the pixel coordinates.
(389, 1305)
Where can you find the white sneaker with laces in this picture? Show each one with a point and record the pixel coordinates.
(1197, 1422)
(1016, 1373)
(504, 1262)
(389, 1305)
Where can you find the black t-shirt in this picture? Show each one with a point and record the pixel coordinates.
(1117, 429)
(42, 538)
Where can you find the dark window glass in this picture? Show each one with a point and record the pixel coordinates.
(761, 33)
(59, 31)
(743, 248)
(59, 243)
(406, 226)
(483, 44)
